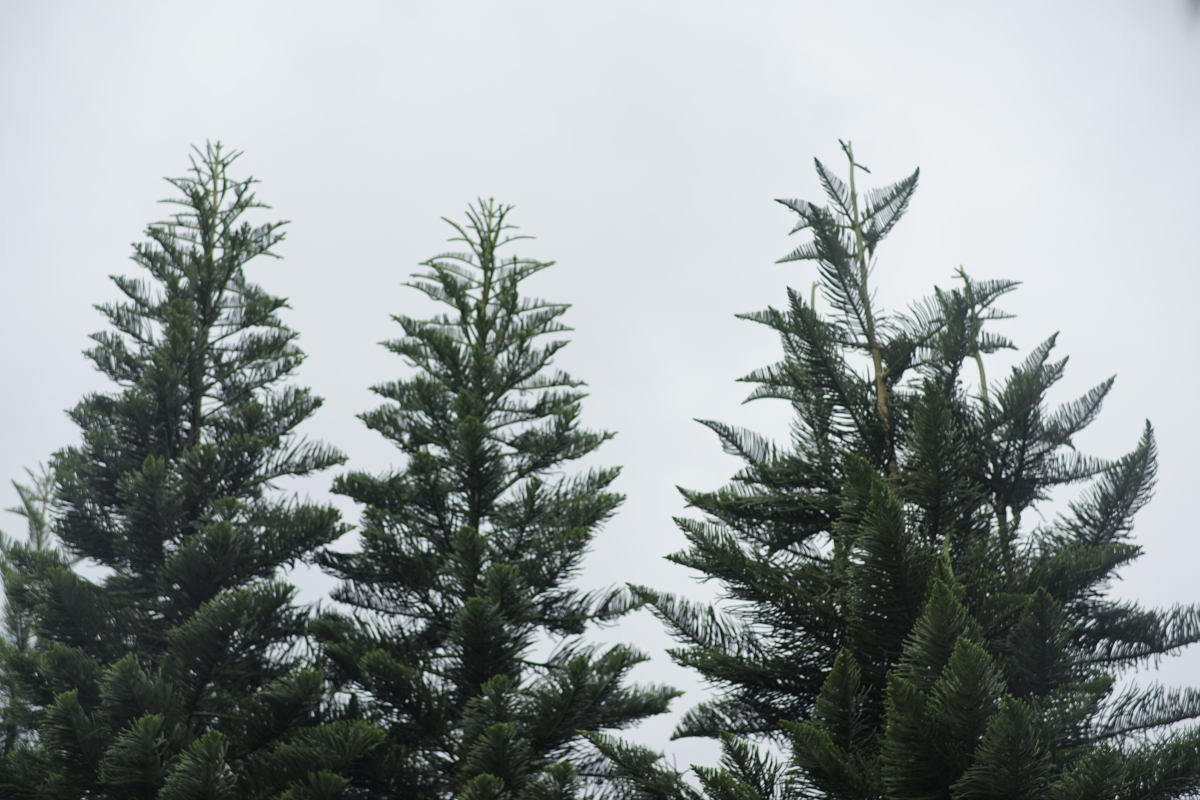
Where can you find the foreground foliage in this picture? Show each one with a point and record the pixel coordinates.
(894, 624)
(39, 504)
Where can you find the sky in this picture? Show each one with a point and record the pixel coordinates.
(643, 145)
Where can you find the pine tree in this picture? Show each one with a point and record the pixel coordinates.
(179, 673)
(895, 625)
(468, 550)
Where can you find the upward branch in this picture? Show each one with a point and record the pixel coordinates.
(860, 255)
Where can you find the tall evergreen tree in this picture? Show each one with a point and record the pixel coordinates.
(895, 624)
(178, 674)
(469, 549)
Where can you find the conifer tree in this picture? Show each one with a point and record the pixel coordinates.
(178, 674)
(896, 623)
(469, 549)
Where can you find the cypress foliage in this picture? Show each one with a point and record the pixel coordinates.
(469, 549)
(178, 674)
(895, 625)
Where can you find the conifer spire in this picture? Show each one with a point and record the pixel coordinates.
(176, 674)
(895, 625)
(469, 549)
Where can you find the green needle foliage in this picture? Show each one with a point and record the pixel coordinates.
(468, 551)
(39, 504)
(891, 621)
(177, 675)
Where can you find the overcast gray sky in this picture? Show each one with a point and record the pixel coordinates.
(642, 143)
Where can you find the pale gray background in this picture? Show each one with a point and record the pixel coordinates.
(642, 144)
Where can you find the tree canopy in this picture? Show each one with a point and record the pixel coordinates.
(891, 617)
(468, 552)
(180, 673)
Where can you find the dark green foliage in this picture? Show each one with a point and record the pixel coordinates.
(890, 619)
(18, 716)
(468, 551)
(177, 675)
